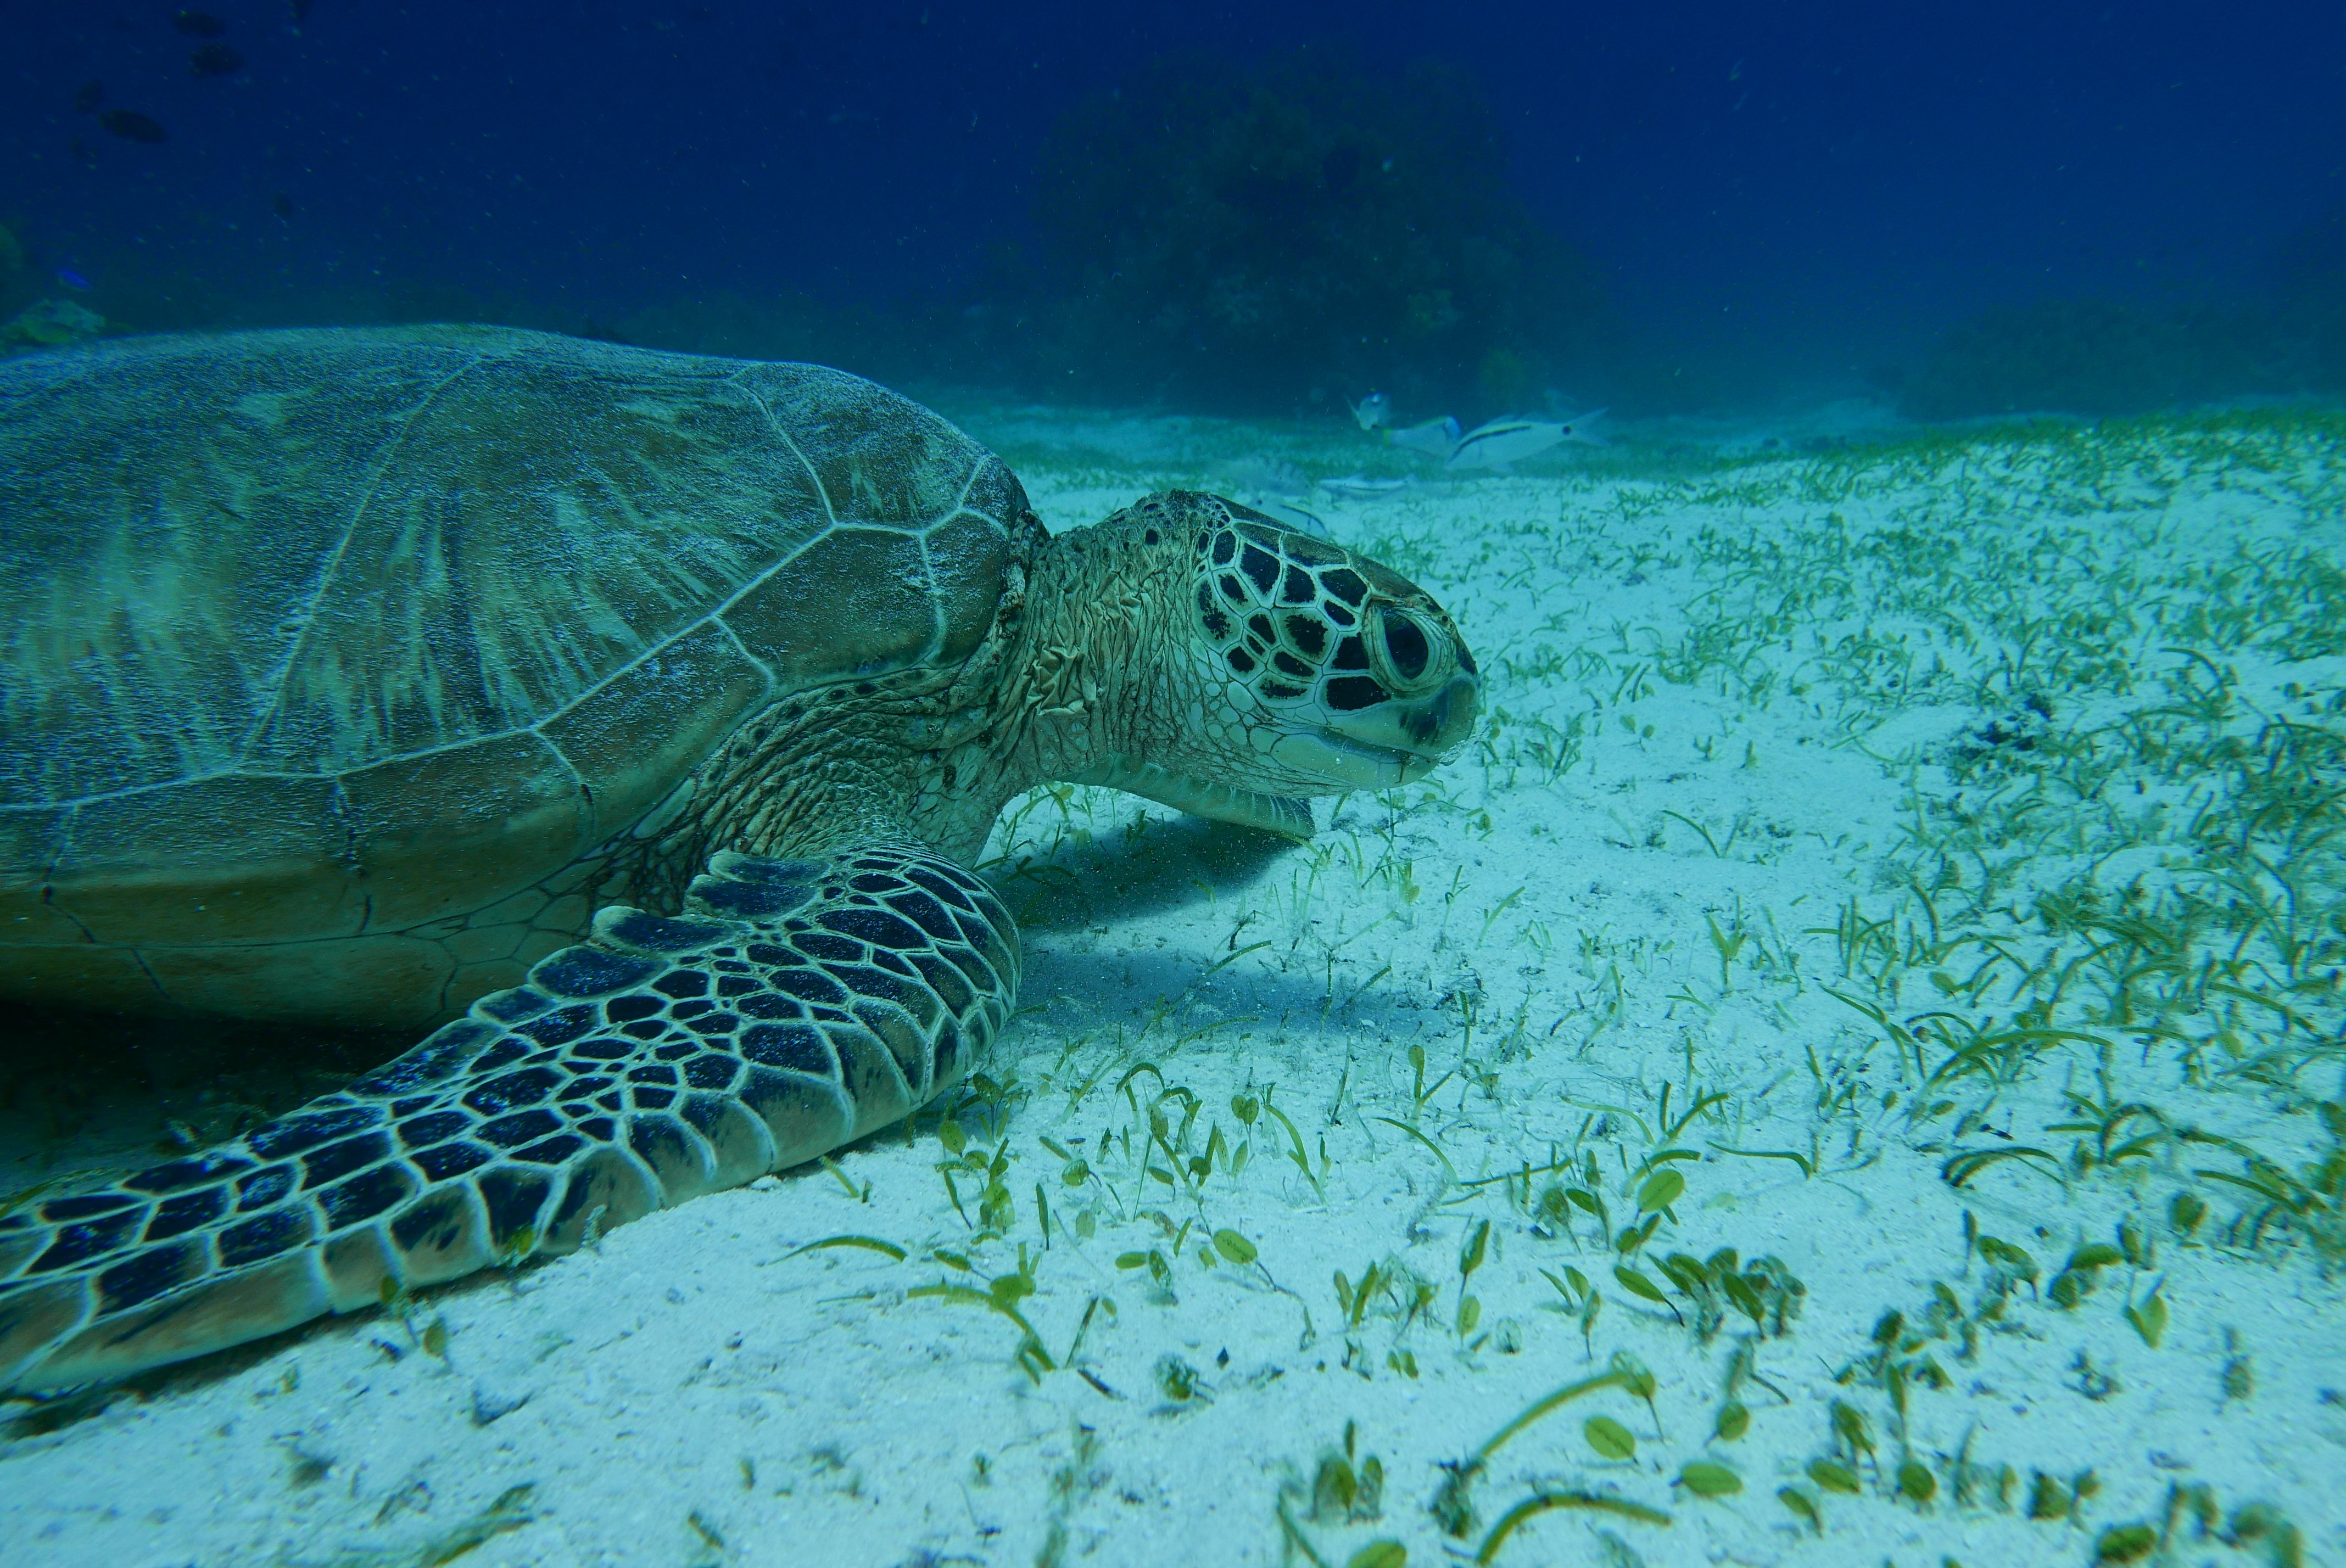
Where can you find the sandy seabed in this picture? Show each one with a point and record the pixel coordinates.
(1846, 1069)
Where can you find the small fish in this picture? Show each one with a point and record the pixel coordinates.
(301, 9)
(87, 97)
(1437, 436)
(1582, 429)
(71, 279)
(1361, 487)
(215, 60)
(1374, 409)
(199, 24)
(132, 125)
(282, 205)
(1503, 443)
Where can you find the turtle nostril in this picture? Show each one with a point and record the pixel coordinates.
(1435, 719)
(1406, 645)
(1452, 709)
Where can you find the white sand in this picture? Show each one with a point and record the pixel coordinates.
(1735, 772)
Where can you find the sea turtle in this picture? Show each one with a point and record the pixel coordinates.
(395, 675)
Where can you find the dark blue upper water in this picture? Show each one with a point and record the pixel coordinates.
(1655, 205)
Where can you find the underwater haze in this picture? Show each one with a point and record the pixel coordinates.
(1555, 784)
(1695, 204)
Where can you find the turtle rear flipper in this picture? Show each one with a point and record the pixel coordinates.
(795, 1005)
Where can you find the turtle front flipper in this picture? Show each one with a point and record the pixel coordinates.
(795, 1005)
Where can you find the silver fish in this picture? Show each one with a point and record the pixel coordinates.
(1361, 487)
(1373, 411)
(1503, 443)
(1437, 436)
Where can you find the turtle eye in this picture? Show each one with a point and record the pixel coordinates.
(1405, 644)
(1403, 649)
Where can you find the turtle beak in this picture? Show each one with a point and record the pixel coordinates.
(1439, 726)
(1395, 742)
(1422, 662)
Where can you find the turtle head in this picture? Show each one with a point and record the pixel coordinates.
(1298, 668)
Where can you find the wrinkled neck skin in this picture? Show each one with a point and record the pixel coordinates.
(1098, 675)
(1078, 672)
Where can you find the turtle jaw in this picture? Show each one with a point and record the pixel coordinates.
(1391, 744)
(1214, 800)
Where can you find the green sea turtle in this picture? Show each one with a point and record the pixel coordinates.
(395, 675)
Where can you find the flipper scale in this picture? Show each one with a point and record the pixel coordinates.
(787, 1010)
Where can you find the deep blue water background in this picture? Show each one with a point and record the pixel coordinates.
(1786, 192)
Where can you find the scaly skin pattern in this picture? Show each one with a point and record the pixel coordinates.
(831, 969)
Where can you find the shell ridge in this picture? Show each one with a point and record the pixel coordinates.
(760, 665)
(821, 491)
(651, 651)
(381, 468)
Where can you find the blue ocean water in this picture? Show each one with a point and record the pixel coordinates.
(1832, 1050)
(1763, 199)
